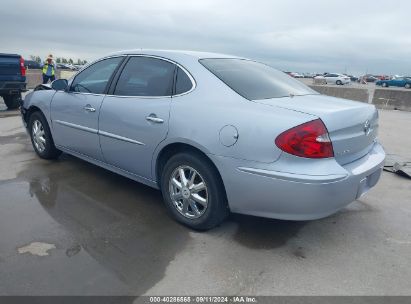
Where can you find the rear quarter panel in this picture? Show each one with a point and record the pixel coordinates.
(198, 117)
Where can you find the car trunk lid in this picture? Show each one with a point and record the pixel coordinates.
(352, 126)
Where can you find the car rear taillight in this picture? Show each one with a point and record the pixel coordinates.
(22, 67)
(309, 140)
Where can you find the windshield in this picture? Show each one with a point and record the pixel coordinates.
(254, 80)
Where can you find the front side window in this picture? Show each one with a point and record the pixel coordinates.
(146, 76)
(95, 78)
(254, 80)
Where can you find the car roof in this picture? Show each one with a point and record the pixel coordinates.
(173, 53)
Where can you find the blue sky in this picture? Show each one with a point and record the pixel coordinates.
(304, 36)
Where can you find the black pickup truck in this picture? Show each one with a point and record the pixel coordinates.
(12, 79)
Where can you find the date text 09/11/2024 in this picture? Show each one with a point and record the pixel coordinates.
(203, 299)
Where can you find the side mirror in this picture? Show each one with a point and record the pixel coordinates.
(59, 84)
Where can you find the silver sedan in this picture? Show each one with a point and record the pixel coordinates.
(215, 133)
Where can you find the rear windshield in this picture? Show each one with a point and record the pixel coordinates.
(9, 65)
(254, 80)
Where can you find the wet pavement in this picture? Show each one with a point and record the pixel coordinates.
(71, 228)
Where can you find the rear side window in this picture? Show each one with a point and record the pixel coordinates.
(146, 76)
(95, 78)
(254, 80)
(183, 82)
(9, 66)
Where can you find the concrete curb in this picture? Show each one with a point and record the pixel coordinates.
(382, 98)
(343, 92)
(392, 99)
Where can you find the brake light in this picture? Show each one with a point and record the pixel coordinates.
(309, 140)
(22, 67)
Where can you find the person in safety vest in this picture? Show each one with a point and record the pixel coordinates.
(49, 69)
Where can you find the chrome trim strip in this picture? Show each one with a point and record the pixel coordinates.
(139, 97)
(103, 133)
(126, 139)
(299, 178)
(85, 93)
(74, 126)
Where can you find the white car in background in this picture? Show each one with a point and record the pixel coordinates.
(335, 78)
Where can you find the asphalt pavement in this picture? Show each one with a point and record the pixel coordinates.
(71, 228)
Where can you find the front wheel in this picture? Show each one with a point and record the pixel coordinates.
(193, 191)
(339, 82)
(408, 85)
(384, 84)
(41, 138)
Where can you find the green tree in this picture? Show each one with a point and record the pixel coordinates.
(58, 60)
(63, 60)
(70, 61)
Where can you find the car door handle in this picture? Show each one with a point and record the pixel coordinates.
(89, 108)
(154, 118)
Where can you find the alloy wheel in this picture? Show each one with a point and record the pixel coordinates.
(39, 136)
(188, 192)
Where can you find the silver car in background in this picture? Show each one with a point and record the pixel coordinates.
(215, 133)
(335, 78)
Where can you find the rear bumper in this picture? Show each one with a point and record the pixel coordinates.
(294, 196)
(12, 87)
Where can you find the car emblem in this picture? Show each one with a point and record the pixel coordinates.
(367, 127)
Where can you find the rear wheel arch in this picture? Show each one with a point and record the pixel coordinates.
(179, 157)
(174, 148)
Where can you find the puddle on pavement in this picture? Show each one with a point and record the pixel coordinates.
(261, 233)
(123, 224)
(4, 112)
(20, 137)
(120, 223)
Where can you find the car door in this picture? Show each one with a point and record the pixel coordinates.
(400, 82)
(330, 77)
(75, 112)
(134, 117)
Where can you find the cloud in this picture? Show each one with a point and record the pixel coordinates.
(314, 35)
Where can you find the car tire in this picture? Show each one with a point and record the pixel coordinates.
(12, 101)
(182, 197)
(41, 138)
(339, 82)
(408, 86)
(384, 84)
